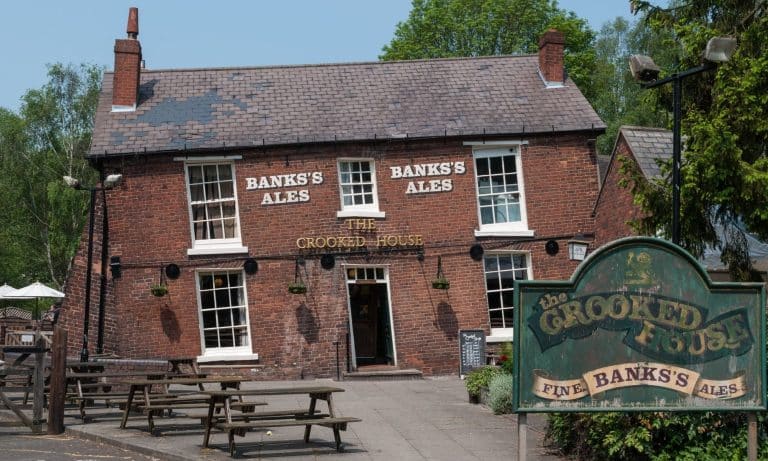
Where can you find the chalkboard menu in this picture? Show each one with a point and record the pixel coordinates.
(472, 350)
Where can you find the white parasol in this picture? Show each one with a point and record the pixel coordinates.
(5, 290)
(35, 290)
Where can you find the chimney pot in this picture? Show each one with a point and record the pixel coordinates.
(551, 61)
(133, 23)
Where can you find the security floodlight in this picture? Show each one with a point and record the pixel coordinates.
(720, 49)
(112, 180)
(71, 182)
(643, 68)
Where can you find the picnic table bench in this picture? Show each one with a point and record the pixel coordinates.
(239, 425)
(152, 407)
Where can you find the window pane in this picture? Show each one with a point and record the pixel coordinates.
(227, 189)
(495, 165)
(211, 173)
(505, 262)
(196, 192)
(509, 164)
(209, 319)
(225, 173)
(494, 300)
(224, 317)
(211, 339)
(481, 165)
(507, 281)
(195, 174)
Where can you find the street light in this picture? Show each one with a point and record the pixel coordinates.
(108, 183)
(719, 49)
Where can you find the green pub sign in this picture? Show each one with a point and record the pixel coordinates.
(640, 326)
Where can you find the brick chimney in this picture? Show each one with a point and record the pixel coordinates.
(551, 47)
(125, 83)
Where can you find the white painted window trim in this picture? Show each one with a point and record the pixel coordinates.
(214, 246)
(509, 229)
(496, 143)
(500, 335)
(208, 159)
(359, 211)
(227, 358)
(229, 353)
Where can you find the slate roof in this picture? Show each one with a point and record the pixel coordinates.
(213, 108)
(649, 146)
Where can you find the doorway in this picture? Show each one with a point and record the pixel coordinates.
(372, 339)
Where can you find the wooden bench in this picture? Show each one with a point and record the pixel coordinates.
(256, 415)
(234, 424)
(338, 423)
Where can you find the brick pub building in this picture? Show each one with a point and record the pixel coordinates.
(359, 181)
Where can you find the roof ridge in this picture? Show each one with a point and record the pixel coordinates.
(337, 64)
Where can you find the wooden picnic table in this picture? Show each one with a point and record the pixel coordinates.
(144, 387)
(88, 387)
(295, 417)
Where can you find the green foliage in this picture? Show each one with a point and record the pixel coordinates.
(462, 28)
(500, 394)
(46, 140)
(480, 378)
(505, 358)
(725, 121)
(654, 436)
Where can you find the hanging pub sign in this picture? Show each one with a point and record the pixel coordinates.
(640, 326)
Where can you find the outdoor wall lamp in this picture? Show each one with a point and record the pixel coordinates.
(108, 183)
(719, 49)
(577, 247)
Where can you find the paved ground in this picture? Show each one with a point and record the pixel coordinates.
(426, 419)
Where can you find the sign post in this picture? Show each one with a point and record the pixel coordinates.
(639, 327)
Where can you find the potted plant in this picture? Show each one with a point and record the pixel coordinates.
(477, 381)
(158, 290)
(441, 283)
(297, 288)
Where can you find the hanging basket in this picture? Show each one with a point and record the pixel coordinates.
(158, 290)
(297, 288)
(441, 284)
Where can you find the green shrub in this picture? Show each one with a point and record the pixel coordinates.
(480, 378)
(505, 358)
(500, 394)
(685, 436)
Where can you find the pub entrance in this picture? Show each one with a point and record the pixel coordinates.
(372, 341)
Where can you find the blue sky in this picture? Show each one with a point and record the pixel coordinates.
(192, 33)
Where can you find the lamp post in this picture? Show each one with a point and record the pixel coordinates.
(110, 182)
(719, 49)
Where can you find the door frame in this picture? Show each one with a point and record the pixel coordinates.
(385, 281)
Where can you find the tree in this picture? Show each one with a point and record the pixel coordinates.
(725, 122)
(457, 28)
(45, 141)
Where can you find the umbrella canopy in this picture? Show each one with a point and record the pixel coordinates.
(35, 290)
(6, 289)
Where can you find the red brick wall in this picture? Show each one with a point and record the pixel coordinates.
(294, 334)
(615, 208)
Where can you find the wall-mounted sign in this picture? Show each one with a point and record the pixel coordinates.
(284, 181)
(427, 170)
(640, 326)
(357, 241)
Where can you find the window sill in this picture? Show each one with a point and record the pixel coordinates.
(227, 358)
(504, 233)
(502, 337)
(360, 214)
(217, 250)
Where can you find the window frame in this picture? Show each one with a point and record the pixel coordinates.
(218, 245)
(504, 333)
(509, 228)
(370, 210)
(222, 353)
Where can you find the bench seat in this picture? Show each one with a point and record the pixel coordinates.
(241, 427)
